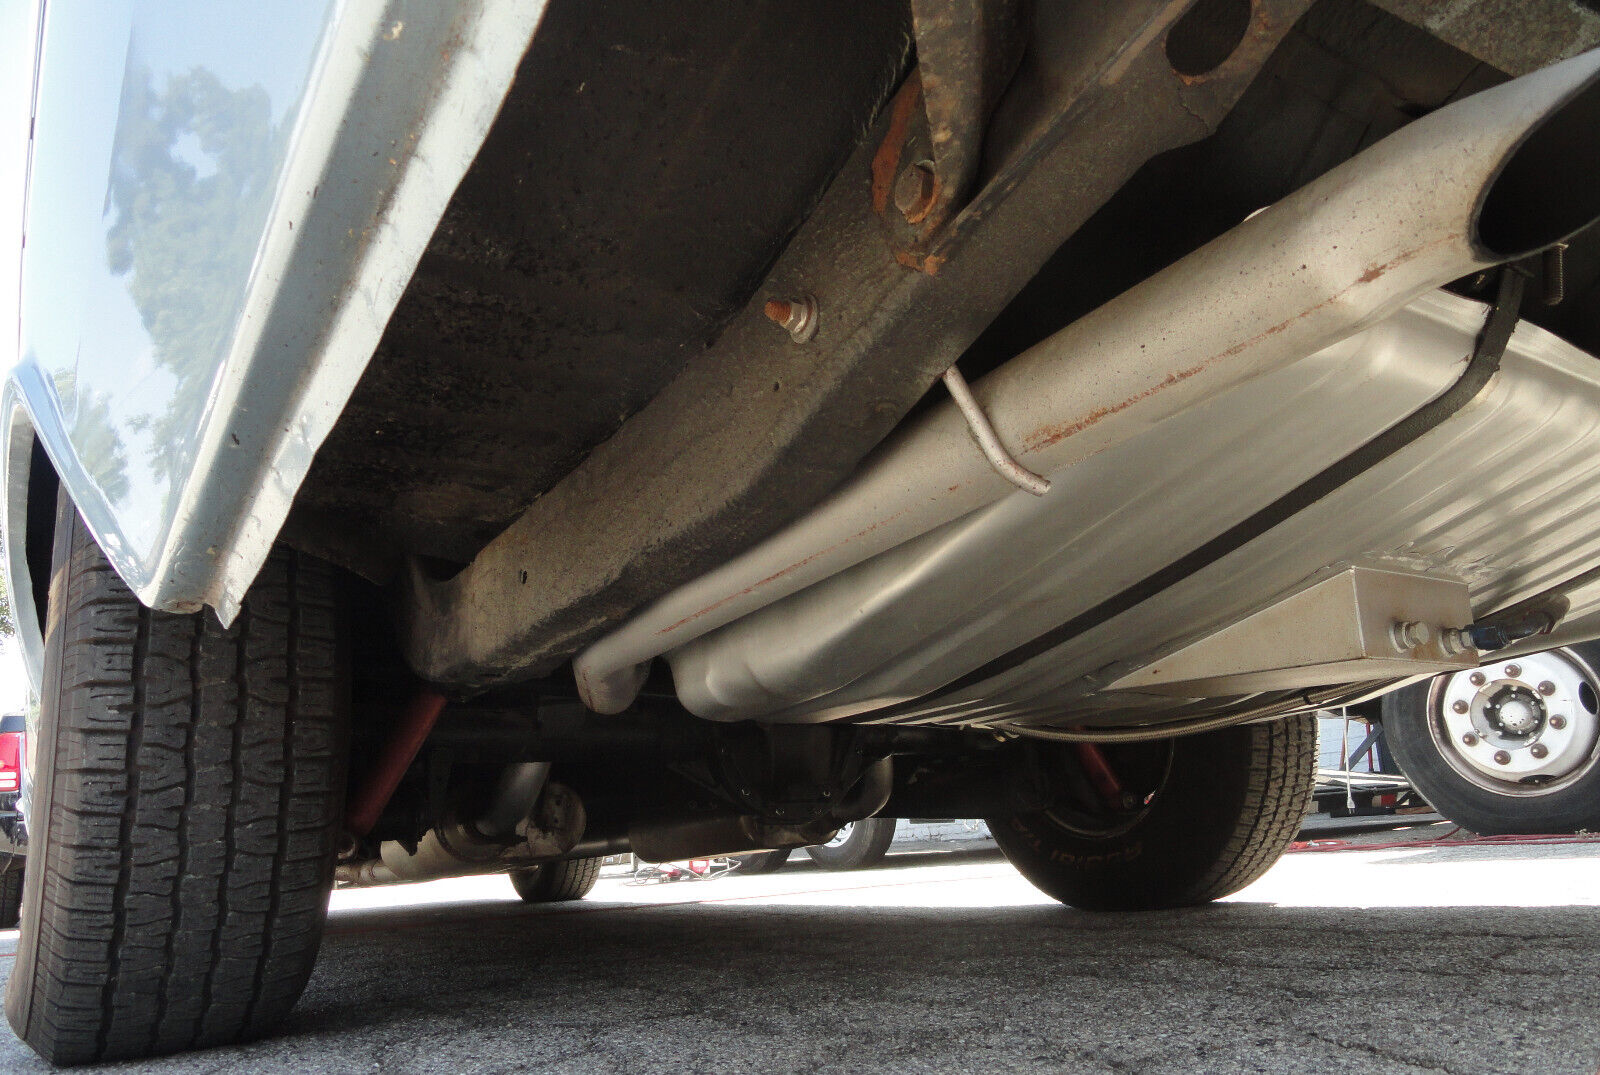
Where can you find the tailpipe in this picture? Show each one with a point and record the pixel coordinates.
(1492, 178)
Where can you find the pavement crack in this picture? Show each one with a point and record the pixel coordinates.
(1381, 1053)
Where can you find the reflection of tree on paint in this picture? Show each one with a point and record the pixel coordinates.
(191, 184)
(94, 434)
(99, 447)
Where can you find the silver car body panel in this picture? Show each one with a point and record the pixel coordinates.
(1503, 496)
(224, 208)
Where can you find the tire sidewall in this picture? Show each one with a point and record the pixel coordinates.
(1183, 832)
(866, 845)
(1407, 721)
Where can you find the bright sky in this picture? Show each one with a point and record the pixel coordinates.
(17, 36)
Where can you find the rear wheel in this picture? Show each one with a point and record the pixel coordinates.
(855, 846)
(187, 795)
(1513, 747)
(557, 882)
(1195, 818)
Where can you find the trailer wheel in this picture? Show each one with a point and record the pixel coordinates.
(186, 800)
(557, 882)
(1513, 747)
(856, 846)
(1198, 817)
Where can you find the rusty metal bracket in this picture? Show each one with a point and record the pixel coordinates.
(1095, 96)
(928, 162)
(967, 51)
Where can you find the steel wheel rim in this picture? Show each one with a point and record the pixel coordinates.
(1522, 727)
(841, 836)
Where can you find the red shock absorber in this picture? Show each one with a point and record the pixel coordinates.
(367, 804)
(1100, 774)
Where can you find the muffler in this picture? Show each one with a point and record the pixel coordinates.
(1489, 179)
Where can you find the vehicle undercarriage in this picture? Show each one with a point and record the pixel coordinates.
(964, 408)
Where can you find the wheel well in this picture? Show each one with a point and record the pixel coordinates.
(40, 524)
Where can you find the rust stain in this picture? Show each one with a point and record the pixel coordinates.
(930, 263)
(1054, 434)
(1049, 435)
(886, 162)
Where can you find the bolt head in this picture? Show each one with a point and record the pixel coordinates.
(1409, 634)
(914, 191)
(1469, 739)
(1558, 722)
(1539, 750)
(1460, 706)
(1501, 757)
(1513, 671)
(799, 316)
(1547, 688)
(1477, 679)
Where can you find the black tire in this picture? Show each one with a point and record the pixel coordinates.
(187, 799)
(1203, 816)
(763, 861)
(11, 874)
(557, 882)
(864, 845)
(1566, 799)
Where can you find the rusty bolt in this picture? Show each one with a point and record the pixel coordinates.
(1502, 758)
(799, 316)
(1558, 722)
(1460, 706)
(1547, 688)
(1538, 750)
(1469, 739)
(1513, 671)
(1477, 679)
(914, 191)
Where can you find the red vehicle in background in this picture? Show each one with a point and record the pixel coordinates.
(13, 832)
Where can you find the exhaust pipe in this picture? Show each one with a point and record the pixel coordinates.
(530, 820)
(1489, 179)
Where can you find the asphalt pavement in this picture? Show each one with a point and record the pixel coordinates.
(1399, 959)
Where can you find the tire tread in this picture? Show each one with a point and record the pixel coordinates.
(558, 882)
(196, 791)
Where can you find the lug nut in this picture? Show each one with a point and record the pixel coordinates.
(1502, 758)
(1547, 688)
(1538, 750)
(1477, 679)
(1460, 706)
(1469, 739)
(1558, 722)
(799, 316)
(1513, 671)
(914, 191)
